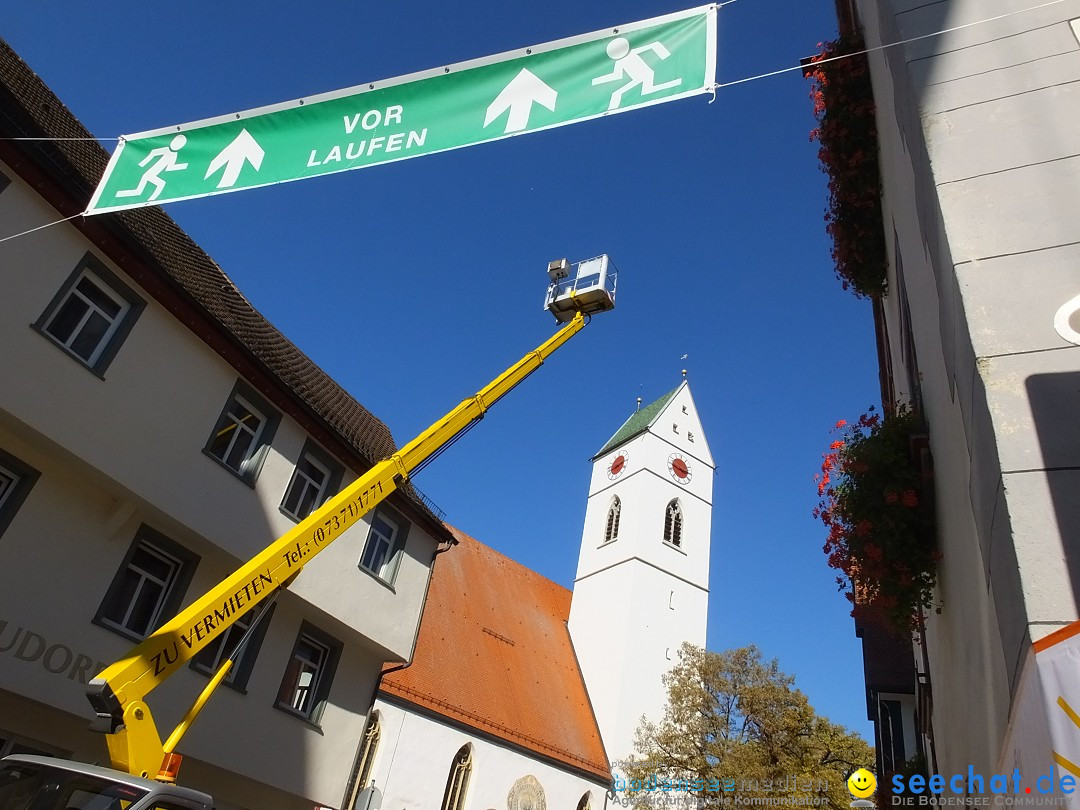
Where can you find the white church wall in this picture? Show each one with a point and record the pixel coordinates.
(631, 643)
(645, 488)
(415, 754)
(637, 598)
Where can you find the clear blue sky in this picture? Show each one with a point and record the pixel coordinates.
(414, 283)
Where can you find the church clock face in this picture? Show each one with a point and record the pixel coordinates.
(618, 465)
(679, 468)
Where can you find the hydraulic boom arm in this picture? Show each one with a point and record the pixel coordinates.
(117, 693)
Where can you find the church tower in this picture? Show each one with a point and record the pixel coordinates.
(642, 585)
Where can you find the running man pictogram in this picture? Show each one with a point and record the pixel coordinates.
(166, 162)
(629, 63)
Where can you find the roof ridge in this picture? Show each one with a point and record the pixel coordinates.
(454, 530)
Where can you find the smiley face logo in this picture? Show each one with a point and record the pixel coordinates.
(862, 783)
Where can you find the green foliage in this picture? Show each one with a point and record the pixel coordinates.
(738, 721)
(881, 534)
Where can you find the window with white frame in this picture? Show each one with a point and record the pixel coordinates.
(243, 433)
(16, 479)
(673, 523)
(213, 655)
(91, 314)
(315, 478)
(306, 684)
(148, 587)
(385, 544)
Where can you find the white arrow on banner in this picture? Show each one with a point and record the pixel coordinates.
(244, 148)
(524, 90)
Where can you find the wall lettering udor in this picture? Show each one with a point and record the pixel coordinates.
(33, 648)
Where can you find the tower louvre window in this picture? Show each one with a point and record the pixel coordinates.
(673, 524)
(611, 530)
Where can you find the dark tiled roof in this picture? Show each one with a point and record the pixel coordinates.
(28, 108)
(638, 422)
(494, 654)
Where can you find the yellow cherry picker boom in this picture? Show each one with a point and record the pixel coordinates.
(118, 694)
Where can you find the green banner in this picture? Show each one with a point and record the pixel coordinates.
(535, 88)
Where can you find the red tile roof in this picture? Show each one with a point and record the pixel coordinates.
(494, 654)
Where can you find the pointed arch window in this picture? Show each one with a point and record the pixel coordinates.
(611, 528)
(368, 747)
(585, 803)
(673, 524)
(458, 782)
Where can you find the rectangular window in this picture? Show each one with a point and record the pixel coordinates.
(306, 684)
(213, 655)
(91, 314)
(16, 479)
(148, 587)
(243, 433)
(316, 477)
(385, 544)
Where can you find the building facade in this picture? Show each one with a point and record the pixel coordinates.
(525, 695)
(976, 118)
(642, 585)
(492, 711)
(155, 432)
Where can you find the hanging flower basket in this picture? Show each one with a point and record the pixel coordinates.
(847, 134)
(881, 529)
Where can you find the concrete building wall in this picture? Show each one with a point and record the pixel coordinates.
(980, 163)
(415, 753)
(122, 449)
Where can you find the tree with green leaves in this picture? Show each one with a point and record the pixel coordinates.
(736, 729)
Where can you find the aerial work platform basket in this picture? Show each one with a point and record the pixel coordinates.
(590, 288)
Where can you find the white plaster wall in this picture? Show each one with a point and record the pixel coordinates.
(645, 492)
(160, 399)
(645, 487)
(1028, 735)
(414, 756)
(966, 662)
(627, 627)
(118, 452)
(51, 588)
(637, 599)
(979, 145)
